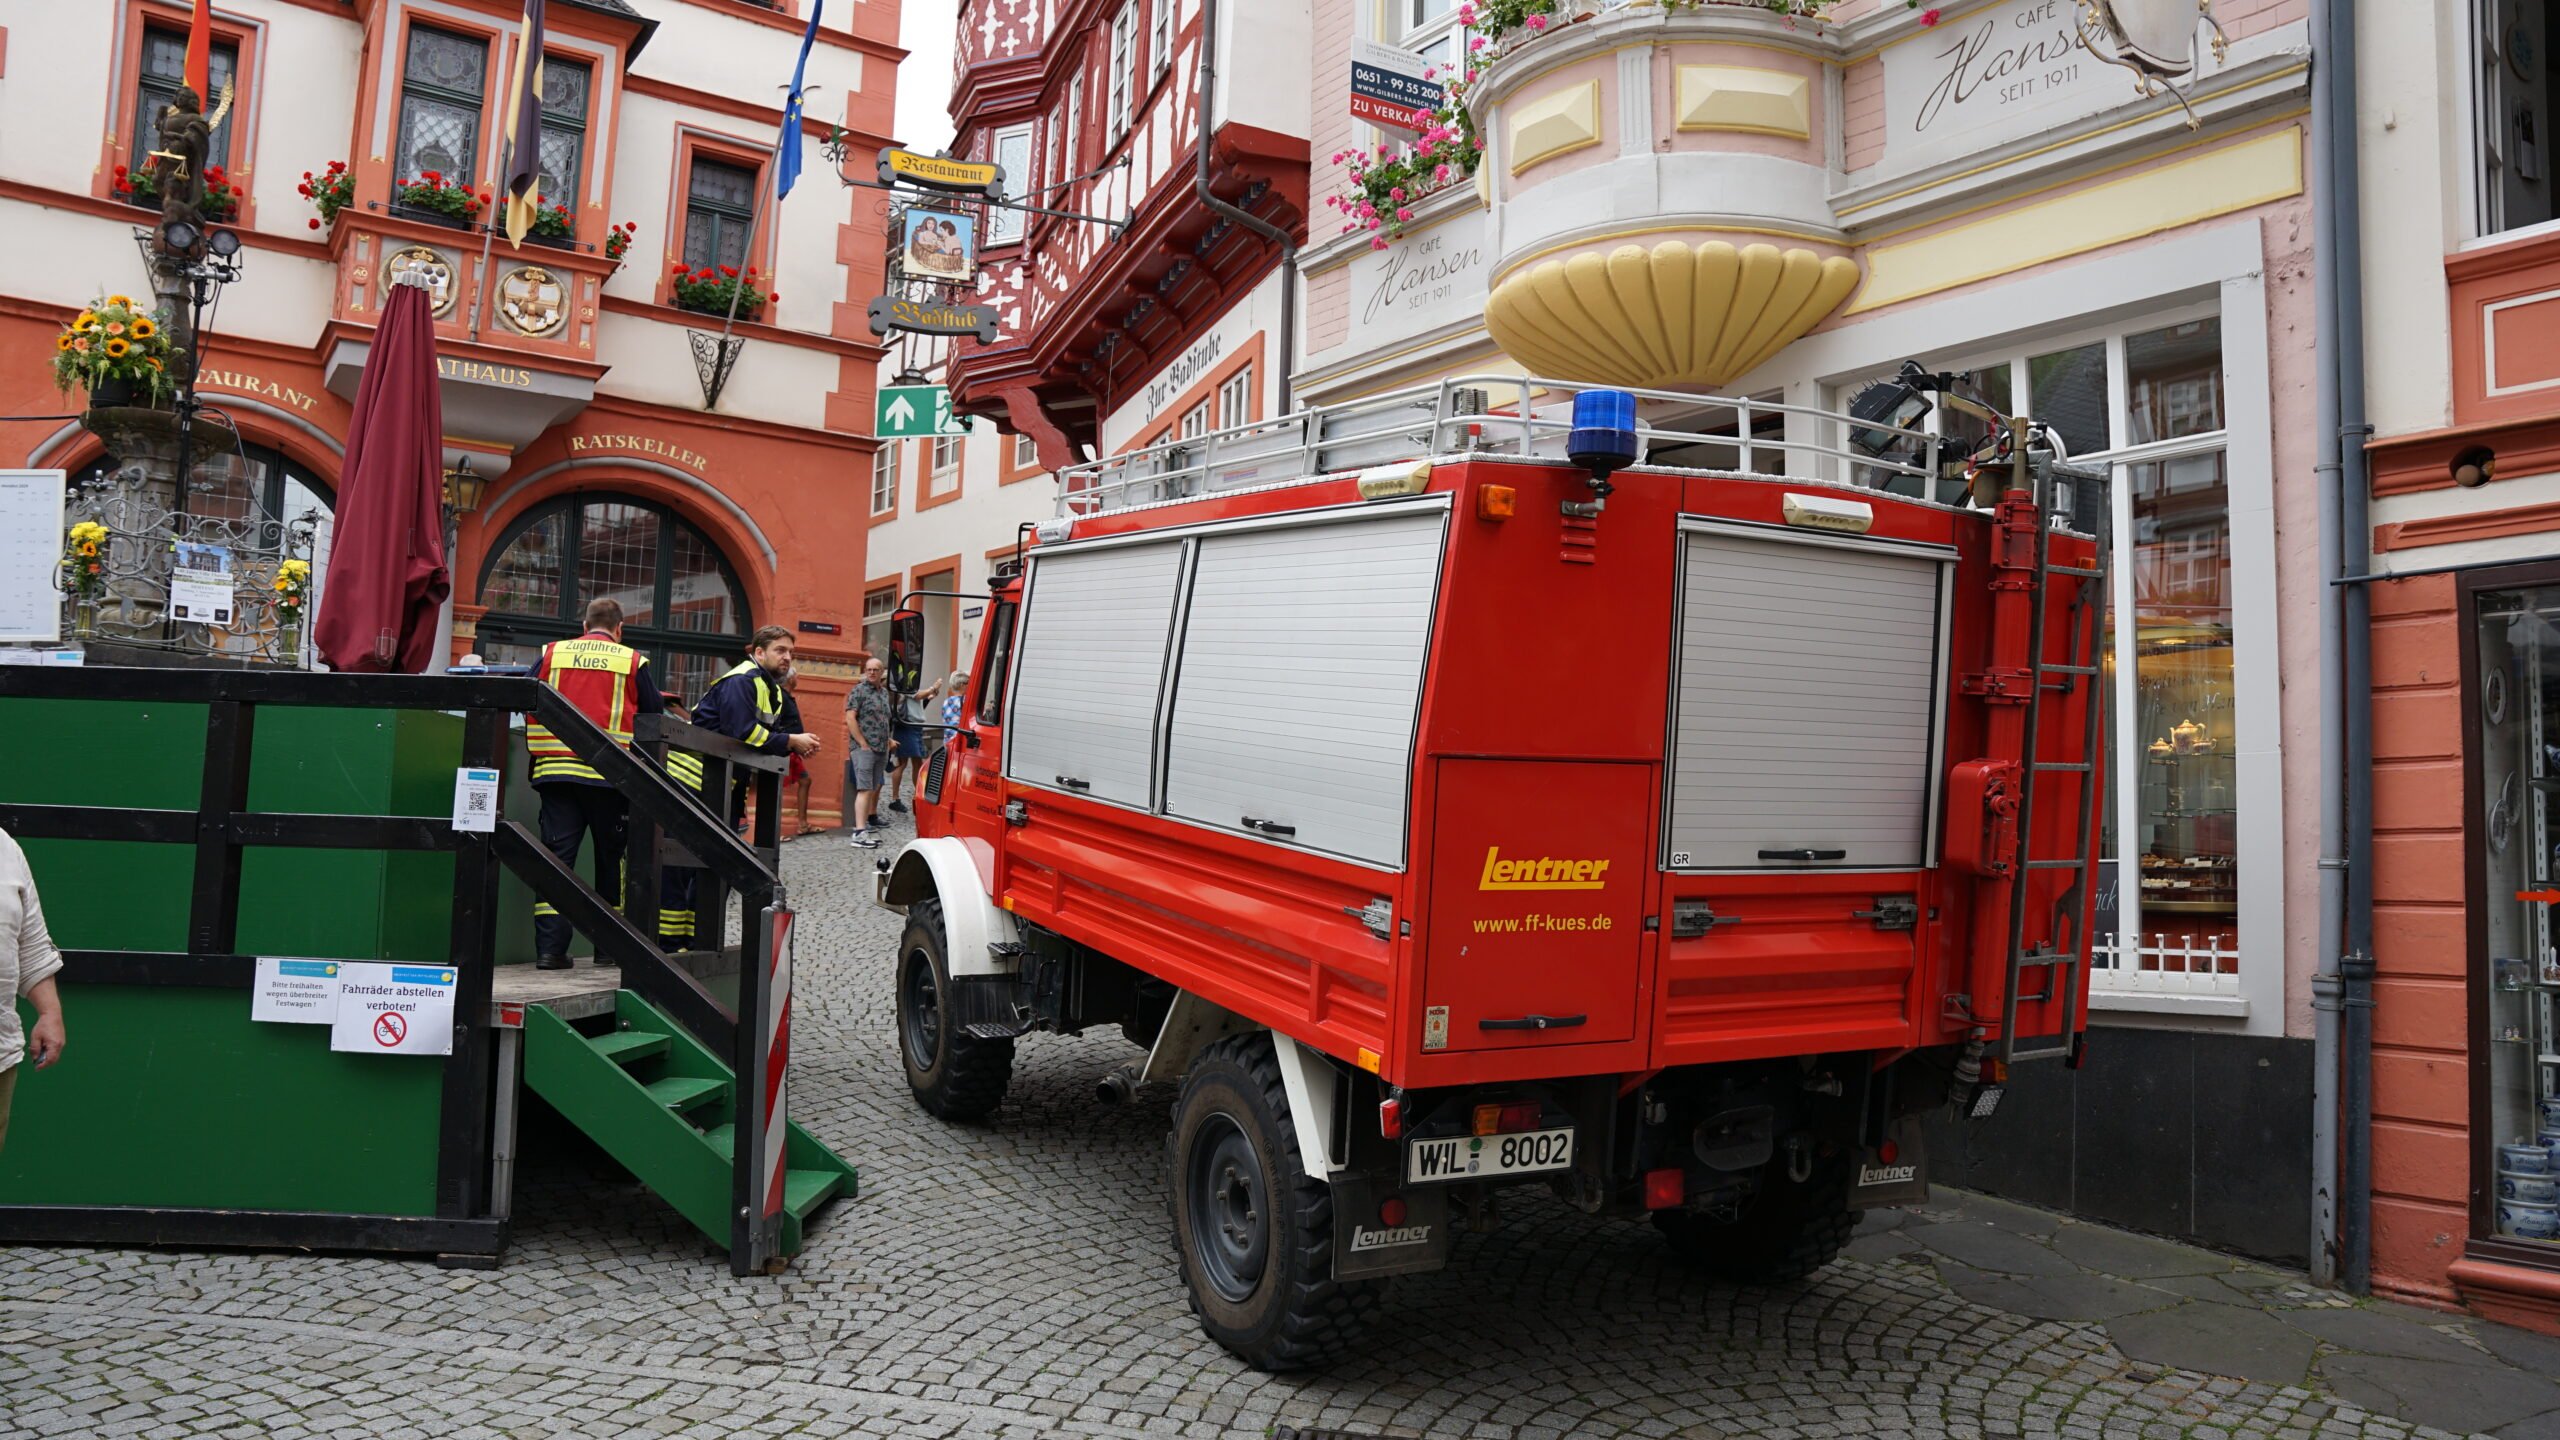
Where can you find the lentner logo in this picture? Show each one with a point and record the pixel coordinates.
(1544, 873)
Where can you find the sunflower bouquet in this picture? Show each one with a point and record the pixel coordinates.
(84, 560)
(114, 340)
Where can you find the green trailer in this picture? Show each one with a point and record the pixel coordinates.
(186, 825)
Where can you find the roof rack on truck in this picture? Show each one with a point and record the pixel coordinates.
(1518, 417)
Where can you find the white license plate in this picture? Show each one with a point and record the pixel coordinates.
(1476, 1157)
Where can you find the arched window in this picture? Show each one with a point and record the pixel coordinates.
(253, 482)
(682, 605)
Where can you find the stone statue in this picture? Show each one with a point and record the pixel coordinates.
(186, 138)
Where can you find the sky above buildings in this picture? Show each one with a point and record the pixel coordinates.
(926, 28)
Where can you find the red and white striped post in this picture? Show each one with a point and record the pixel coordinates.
(763, 1118)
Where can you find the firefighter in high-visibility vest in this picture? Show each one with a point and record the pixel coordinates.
(749, 705)
(610, 684)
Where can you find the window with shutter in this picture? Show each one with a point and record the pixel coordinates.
(1300, 682)
(1810, 696)
(1089, 668)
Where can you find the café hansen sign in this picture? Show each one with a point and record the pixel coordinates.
(1995, 74)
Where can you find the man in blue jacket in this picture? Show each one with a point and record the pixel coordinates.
(748, 705)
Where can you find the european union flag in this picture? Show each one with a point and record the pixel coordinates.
(786, 162)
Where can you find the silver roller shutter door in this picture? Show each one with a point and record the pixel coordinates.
(1092, 661)
(1809, 701)
(1301, 680)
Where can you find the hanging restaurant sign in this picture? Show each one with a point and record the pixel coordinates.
(932, 317)
(960, 177)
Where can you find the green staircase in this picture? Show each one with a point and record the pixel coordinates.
(664, 1106)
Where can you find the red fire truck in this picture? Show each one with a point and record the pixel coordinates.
(1451, 800)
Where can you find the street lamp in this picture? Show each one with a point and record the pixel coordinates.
(462, 489)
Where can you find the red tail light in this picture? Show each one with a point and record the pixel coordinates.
(1886, 1151)
(1520, 1117)
(1664, 1189)
(1391, 1211)
(1391, 1118)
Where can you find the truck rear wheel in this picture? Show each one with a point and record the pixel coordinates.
(1253, 1229)
(1786, 1232)
(954, 1076)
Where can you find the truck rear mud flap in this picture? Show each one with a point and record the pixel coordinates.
(1366, 1245)
(1894, 1173)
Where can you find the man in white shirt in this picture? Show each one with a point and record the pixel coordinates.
(27, 965)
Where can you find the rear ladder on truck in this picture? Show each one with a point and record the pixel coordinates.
(2057, 946)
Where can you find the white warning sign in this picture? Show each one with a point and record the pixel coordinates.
(394, 1010)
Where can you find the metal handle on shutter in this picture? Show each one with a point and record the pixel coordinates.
(1269, 827)
(1807, 853)
(1070, 782)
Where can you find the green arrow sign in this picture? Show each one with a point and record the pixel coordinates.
(910, 412)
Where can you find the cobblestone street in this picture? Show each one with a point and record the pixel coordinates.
(1015, 1280)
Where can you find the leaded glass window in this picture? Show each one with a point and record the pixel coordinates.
(565, 87)
(681, 601)
(445, 82)
(164, 71)
(720, 202)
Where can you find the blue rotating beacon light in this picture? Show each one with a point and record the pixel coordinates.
(1604, 437)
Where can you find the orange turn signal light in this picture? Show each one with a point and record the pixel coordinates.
(1496, 502)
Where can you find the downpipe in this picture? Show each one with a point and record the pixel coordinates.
(2342, 991)
(1288, 341)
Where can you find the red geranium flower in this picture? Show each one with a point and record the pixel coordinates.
(436, 176)
(776, 298)
(729, 272)
(315, 222)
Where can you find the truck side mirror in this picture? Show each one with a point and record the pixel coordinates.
(906, 652)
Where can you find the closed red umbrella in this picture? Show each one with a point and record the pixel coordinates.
(387, 578)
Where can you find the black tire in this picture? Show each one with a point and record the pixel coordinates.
(954, 1076)
(1787, 1232)
(1254, 1232)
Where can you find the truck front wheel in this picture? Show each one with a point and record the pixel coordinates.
(1786, 1232)
(955, 1076)
(1254, 1230)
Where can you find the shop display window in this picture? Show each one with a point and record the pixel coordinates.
(2148, 404)
(2515, 699)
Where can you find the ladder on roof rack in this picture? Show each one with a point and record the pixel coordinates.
(2011, 938)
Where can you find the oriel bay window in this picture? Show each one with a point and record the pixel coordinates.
(443, 89)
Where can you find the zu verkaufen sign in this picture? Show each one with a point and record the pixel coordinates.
(1992, 75)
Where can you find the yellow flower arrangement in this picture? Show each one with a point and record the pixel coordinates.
(293, 587)
(113, 342)
(84, 568)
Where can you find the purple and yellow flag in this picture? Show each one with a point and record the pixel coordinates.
(524, 130)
